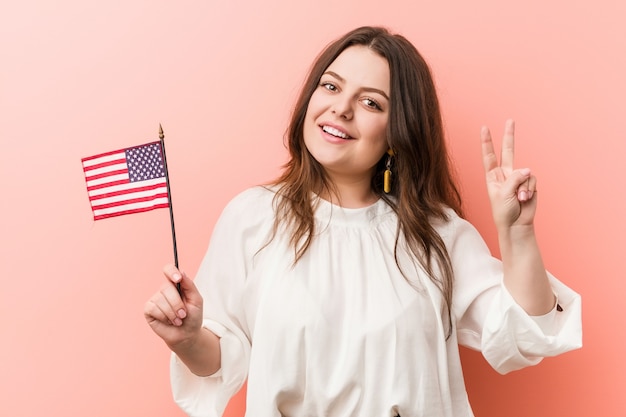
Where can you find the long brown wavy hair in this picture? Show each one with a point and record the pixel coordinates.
(423, 185)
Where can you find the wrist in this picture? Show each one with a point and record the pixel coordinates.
(516, 232)
(187, 343)
(516, 239)
(200, 352)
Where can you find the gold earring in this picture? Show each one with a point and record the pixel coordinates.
(387, 175)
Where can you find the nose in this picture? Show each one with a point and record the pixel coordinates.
(342, 107)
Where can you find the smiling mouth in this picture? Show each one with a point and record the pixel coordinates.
(335, 132)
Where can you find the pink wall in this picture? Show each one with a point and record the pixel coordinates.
(82, 77)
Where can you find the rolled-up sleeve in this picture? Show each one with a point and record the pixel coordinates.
(208, 396)
(221, 279)
(488, 319)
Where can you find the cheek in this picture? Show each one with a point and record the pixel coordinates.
(309, 124)
(315, 106)
(309, 128)
(314, 110)
(376, 146)
(378, 133)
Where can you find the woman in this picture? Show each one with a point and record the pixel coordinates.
(345, 287)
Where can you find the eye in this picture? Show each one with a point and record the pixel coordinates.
(328, 86)
(372, 104)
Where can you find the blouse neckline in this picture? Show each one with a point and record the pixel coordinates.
(331, 213)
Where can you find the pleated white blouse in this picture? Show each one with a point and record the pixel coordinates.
(343, 332)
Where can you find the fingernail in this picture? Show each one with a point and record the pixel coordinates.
(177, 277)
(525, 171)
(523, 195)
(182, 313)
(178, 322)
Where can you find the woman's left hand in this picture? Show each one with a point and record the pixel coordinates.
(512, 192)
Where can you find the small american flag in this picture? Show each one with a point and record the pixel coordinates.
(126, 181)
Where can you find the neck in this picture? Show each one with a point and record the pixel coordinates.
(350, 193)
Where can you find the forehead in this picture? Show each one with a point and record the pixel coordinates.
(360, 66)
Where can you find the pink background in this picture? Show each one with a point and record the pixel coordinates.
(82, 77)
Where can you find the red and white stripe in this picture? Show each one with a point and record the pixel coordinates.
(112, 194)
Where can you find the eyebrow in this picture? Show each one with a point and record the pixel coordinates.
(371, 89)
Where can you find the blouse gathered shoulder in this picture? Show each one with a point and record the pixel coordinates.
(344, 331)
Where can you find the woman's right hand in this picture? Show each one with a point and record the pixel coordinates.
(175, 318)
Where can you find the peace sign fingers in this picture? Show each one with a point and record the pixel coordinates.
(508, 146)
(490, 160)
(511, 191)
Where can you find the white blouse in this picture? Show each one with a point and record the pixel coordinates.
(343, 332)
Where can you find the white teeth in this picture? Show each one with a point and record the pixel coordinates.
(335, 132)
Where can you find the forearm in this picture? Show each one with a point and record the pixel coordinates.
(202, 355)
(525, 276)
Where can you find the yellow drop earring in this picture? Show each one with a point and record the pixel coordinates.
(387, 175)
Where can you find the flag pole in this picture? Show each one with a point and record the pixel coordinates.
(169, 197)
